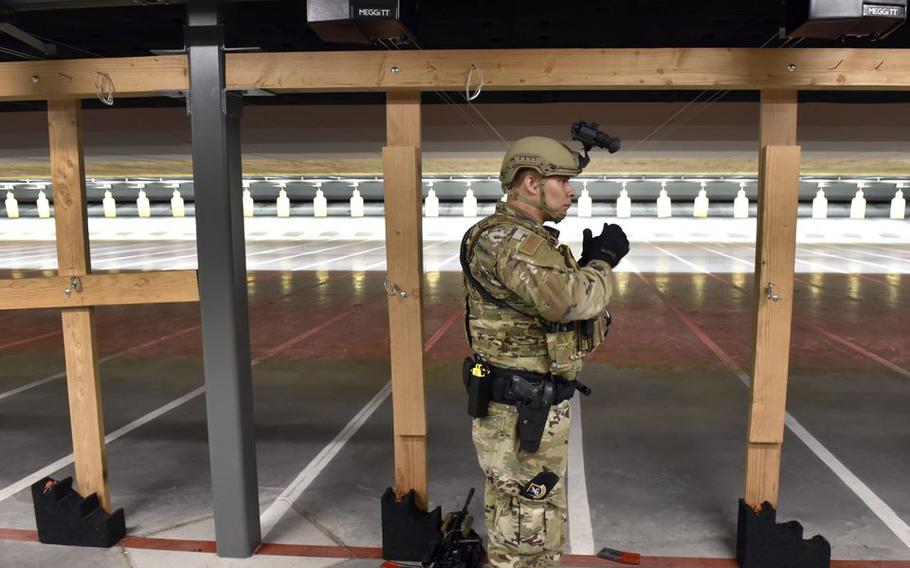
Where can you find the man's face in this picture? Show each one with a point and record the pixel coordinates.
(558, 194)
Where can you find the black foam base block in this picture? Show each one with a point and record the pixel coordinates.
(761, 542)
(407, 532)
(64, 517)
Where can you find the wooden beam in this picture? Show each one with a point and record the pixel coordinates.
(75, 78)
(503, 69)
(82, 376)
(573, 69)
(775, 253)
(100, 290)
(404, 246)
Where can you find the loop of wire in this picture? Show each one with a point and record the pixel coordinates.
(474, 121)
(104, 88)
(467, 86)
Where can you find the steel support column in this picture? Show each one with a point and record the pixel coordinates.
(222, 286)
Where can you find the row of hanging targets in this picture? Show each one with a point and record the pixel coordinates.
(700, 205)
(469, 202)
(108, 203)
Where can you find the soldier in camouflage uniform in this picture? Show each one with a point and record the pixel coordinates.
(534, 311)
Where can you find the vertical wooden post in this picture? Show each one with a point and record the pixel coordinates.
(404, 251)
(82, 376)
(778, 181)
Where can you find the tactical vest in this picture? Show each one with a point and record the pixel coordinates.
(503, 330)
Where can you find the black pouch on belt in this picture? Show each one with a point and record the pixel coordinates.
(532, 414)
(478, 379)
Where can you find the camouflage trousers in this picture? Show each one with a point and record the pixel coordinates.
(522, 532)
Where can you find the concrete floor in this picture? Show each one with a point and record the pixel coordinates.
(662, 460)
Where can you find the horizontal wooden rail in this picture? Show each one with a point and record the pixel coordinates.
(100, 290)
(75, 78)
(573, 69)
(503, 69)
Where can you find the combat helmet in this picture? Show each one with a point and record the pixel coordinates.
(547, 157)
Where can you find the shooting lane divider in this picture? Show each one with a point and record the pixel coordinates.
(878, 506)
(285, 501)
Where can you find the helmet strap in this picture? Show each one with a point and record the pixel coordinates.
(540, 204)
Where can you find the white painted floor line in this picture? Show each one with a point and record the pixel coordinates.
(887, 515)
(309, 252)
(62, 374)
(889, 257)
(51, 256)
(826, 268)
(845, 259)
(382, 262)
(50, 248)
(249, 254)
(581, 533)
(142, 263)
(373, 266)
(119, 433)
(329, 261)
(444, 262)
(892, 252)
(747, 262)
(873, 501)
(752, 264)
(679, 258)
(30, 339)
(28, 480)
(282, 504)
(31, 385)
(132, 247)
(147, 253)
(12, 252)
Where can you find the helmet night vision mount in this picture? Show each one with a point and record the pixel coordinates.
(590, 135)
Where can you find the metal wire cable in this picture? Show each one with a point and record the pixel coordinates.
(477, 111)
(711, 99)
(16, 53)
(442, 95)
(73, 47)
(721, 94)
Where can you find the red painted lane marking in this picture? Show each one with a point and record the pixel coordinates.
(19, 534)
(30, 339)
(855, 347)
(654, 562)
(372, 552)
(834, 337)
(721, 354)
(431, 342)
(157, 341)
(308, 333)
(169, 544)
(275, 549)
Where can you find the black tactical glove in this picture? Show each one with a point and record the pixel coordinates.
(609, 246)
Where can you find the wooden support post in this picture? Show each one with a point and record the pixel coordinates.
(404, 250)
(82, 375)
(774, 259)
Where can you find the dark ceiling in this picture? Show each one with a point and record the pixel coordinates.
(275, 26)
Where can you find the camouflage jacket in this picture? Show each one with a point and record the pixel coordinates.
(521, 262)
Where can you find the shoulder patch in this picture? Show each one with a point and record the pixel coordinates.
(530, 244)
